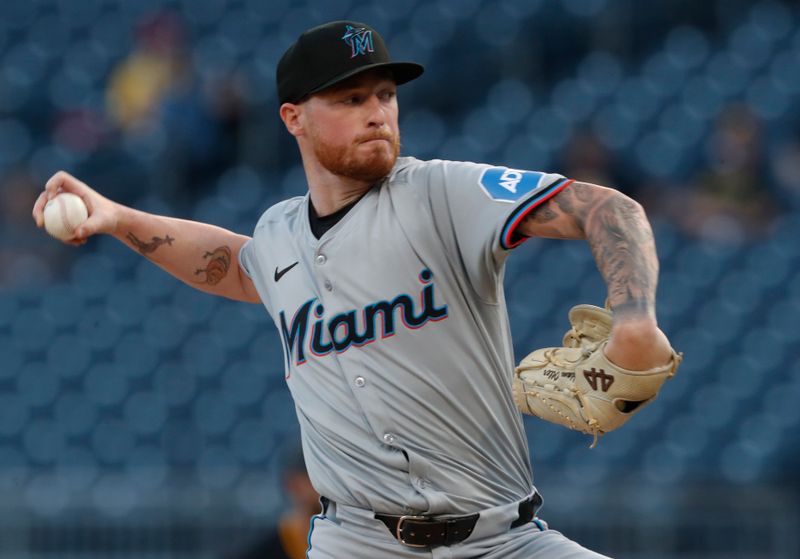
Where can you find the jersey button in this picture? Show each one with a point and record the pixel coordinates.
(388, 438)
(328, 285)
(360, 381)
(320, 259)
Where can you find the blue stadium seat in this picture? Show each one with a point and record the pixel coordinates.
(726, 74)
(783, 74)
(203, 355)
(682, 125)
(15, 141)
(249, 441)
(240, 189)
(663, 463)
(686, 47)
(614, 127)
(256, 494)
(688, 434)
(204, 12)
(113, 33)
(662, 74)
(772, 20)
(572, 101)
(213, 55)
(703, 96)
(152, 281)
(18, 16)
(14, 414)
(126, 305)
(105, 384)
(423, 133)
(76, 467)
(482, 125)
(232, 326)
(93, 275)
(146, 467)
(278, 411)
(175, 383)
(74, 413)
(134, 356)
(164, 328)
(36, 384)
(15, 465)
(545, 440)
(32, 330)
(112, 442)
(43, 441)
(243, 383)
(586, 468)
(13, 359)
(599, 73)
(750, 46)
(769, 100)
(213, 415)
(46, 495)
(659, 154)
(112, 496)
(218, 468)
(145, 412)
(62, 304)
(239, 30)
(96, 330)
(510, 100)
(716, 402)
(739, 463)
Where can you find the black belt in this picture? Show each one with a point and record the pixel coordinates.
(426, 531)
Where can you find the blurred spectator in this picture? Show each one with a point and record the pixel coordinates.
(140, 82)
(289, 539)
(587, 159)
(786, 167)
(202, 119)
(731, 200)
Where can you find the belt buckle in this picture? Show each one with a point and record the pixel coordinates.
(398, 531)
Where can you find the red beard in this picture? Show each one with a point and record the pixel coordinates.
(354, 161)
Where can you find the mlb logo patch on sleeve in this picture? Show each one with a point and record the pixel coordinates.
(509, 185)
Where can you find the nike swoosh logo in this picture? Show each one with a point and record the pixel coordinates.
(279, 275)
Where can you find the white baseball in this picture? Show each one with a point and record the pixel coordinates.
(63, 214)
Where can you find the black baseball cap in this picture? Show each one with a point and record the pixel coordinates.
(330, 53)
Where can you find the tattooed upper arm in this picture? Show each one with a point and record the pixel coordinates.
(618, 234)
(564, 215)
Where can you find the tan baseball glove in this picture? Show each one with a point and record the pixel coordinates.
(578, 387)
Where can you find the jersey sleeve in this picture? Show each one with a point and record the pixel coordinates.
(251, 265)
(481, 208)
(246, 258)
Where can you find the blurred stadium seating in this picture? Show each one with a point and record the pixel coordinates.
(139, 418)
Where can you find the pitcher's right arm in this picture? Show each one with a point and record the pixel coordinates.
(201, 255)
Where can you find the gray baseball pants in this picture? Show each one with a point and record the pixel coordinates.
(345, 532)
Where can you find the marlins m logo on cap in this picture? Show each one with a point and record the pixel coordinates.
(359, 39)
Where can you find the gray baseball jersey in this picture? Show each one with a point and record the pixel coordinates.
(396, 337)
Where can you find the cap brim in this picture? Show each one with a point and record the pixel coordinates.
(403, 72)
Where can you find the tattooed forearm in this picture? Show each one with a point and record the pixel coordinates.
(219, 261)
(146, 248)
(622, 243)
(618, 233)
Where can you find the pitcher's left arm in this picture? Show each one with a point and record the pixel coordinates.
(621, 240)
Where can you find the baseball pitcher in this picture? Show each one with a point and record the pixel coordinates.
(385, 282)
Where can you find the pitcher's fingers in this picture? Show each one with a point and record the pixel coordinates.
(38, 209)
(96, 222)
(60, 181)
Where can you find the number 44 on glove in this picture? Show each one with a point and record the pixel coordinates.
(578, 387)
